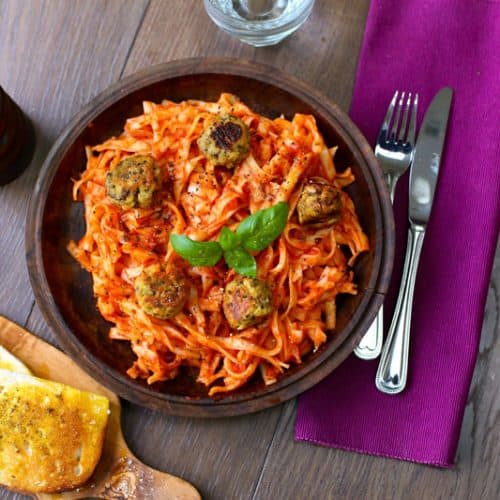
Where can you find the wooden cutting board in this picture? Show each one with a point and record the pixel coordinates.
(119, 474)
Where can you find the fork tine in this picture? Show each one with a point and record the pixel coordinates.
(412, 128)
(404, 121)
(396, 119)
(388, 115)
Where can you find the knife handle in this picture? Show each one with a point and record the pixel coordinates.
(393, 368)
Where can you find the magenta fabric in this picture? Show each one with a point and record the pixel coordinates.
(421, 46)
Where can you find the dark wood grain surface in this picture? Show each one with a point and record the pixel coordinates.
(55, 55)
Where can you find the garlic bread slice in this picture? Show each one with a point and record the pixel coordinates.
(9, 362)
(51, 435)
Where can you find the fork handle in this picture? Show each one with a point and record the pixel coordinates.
(391, 181)
(393, 368)
(371, 344)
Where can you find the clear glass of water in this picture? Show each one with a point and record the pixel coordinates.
(259, 22)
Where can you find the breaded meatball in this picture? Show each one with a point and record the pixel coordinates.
(225, 141)
(159, 293)
(319, 203)
(133, 181)
(246, 302)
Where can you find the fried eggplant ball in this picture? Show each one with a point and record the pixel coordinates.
(226, 141)
(319, 203)
(246, 302)
(133, 181)
(160, 293)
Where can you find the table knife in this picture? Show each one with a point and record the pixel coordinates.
(393, 368)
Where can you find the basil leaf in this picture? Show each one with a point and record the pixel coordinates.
(197, 253)
(260, 229)
(228, 239)
(242, 262)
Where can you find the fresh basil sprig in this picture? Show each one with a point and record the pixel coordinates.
(254, 233)
(197, 253)
(260, 229)
(242, 262)
(228, 239)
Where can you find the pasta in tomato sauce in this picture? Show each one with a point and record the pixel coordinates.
(305, 267)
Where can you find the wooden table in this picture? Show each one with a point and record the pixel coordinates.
(57, 55)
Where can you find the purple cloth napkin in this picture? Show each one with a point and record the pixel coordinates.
(421, 46)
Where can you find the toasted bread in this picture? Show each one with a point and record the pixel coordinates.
(51, 435)
(11, 363)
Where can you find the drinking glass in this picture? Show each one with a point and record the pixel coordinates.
(259, 22)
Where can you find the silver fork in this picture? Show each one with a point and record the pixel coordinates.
(394, 151)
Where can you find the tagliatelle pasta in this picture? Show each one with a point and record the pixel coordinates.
(305, 267)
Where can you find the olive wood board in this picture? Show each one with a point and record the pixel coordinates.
(119, 474)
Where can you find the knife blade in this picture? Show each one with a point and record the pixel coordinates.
(392, 371)
(425, 168)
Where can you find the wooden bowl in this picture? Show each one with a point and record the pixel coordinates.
(63, 289)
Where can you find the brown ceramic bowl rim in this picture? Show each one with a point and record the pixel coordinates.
(240, 403)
